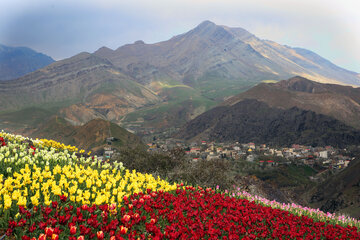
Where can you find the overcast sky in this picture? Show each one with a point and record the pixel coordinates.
(63, 28)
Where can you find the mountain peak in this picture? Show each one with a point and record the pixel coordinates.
(103, 51)
(206, 24)
(18, 61)
(209, 30)
(139, 42)
(301, 84)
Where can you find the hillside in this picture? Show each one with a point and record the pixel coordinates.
(18, 61)
(340, 193)
(90, 136)
(339, 102)
(65, 196)
(85, 86)
(254, 121)
(180, 104)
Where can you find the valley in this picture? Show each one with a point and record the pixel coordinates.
(215, 106)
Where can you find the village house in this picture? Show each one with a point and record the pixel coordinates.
(195, 150)
(323, 154)
(252, 145)
(278, 153)
(108, 152)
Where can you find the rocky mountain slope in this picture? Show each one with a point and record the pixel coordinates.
(254, 121)
(87, 86)
(18, 61)
(339, 193)
(90, 136)
(211, 53)
(339, 102)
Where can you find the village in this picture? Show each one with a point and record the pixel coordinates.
(326, 157)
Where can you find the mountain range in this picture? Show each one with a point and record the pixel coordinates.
(18, 61)
(294, 111)
(254, 121)
(209, 53)
(86, 85)
(337, 101)
(164, 84)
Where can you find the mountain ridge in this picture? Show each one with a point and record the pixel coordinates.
(292, 60)
(18, 61)
(84, 78)
(339, 102)
(202, 67)
(253, 121)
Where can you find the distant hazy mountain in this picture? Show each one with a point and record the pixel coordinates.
(212, 57)
(87, 86)
(18, 61)
(253, 121)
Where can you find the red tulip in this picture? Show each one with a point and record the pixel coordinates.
(100, 235)
(123, 230)
(55, 237)
(63, 198)
(54, 204)
(49, 231)
(126, 218)
(81, 238)
(42, 237)
(73, 230)
(84, 207)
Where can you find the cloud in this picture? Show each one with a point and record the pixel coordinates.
(64, 28)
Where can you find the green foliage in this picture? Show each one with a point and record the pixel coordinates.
(210, 173)
(174, 167)
(286, 175)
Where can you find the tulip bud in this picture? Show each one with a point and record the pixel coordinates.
(126, 218)
(49, 231)
(123, 230)
(72, 230)
(81, 238)
(42, 237)
(100, 235)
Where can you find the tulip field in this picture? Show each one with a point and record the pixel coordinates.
(53, 191)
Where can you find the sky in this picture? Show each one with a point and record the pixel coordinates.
(63, 28)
